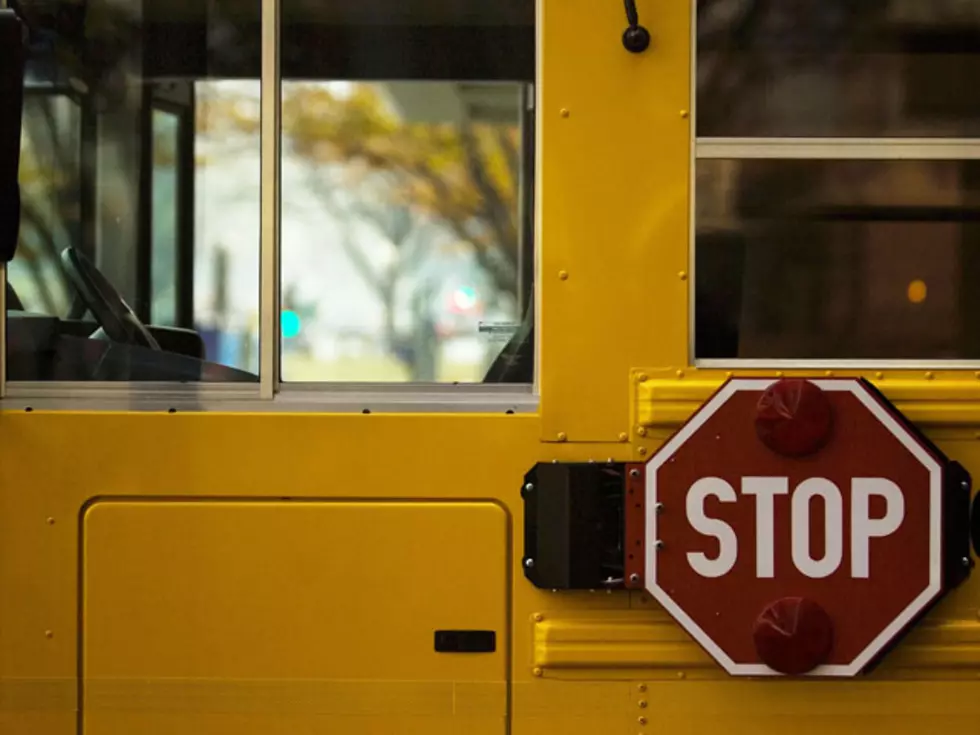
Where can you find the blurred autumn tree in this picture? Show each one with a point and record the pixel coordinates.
(401, 177)
(50, 213)
(467, 174)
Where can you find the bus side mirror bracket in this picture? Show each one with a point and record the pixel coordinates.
(12, 62)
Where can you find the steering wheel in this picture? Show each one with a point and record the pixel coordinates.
(114, 315)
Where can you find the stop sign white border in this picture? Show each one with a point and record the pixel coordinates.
(910, 442)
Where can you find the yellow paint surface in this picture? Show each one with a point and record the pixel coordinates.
(324, 610)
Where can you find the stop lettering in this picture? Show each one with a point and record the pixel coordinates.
(795, 526)
(764, 491)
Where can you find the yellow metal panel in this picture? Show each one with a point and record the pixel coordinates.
(945, 399)
(807, 708)
(318, 609)
(650, 644)
(53, 463)
(614, 210)
(550, 707)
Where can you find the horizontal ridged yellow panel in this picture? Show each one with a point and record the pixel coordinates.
(669, 403)
(652, 641)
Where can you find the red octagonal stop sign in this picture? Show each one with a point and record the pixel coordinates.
(795, 527)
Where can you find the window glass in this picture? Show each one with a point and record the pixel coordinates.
(166, 141)
(139, 255)
(838, 259)
(838, 68)
(407, 175)
(50, 172)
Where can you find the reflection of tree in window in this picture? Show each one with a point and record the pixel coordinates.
(465, 174)
(421, 187)
(50, 204)
(416, 185)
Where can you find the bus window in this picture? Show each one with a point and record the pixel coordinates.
(838, 68)
(50, 173)
(139, 251)
(407, 154)
(838, 259)
(166, 142)
(824, 231)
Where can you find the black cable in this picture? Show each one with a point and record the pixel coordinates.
(632, 14)
(636, 38)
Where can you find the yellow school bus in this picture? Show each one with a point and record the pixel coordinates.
(309, 302)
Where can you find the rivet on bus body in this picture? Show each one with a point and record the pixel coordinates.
(642, 378)
(623, 436)
(681, 675)
(930, 375)
(49, 634)
(641, 688)
(562, 275)
(641, 431)
(729, 374)
(780, 374)
(565, 112)
(50, 521)
(682, 275)
(537, 617)
(977, 374)
(562, 436)
(829, 373)
(642, 451)
(642, 704)
(685, 114)
(642, 720)
(880, 375)
(537, 671)
(680, 373)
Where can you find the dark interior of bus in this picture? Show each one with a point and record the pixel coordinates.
(149, 63)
